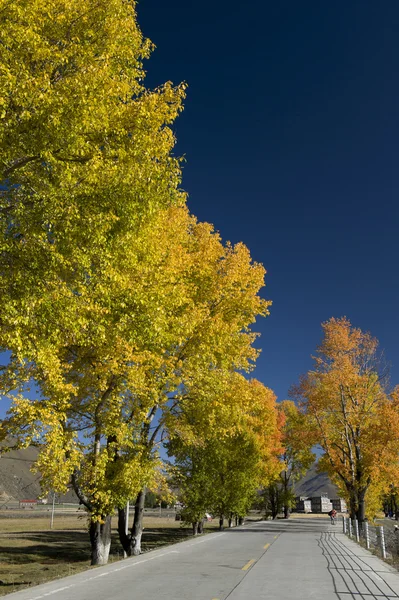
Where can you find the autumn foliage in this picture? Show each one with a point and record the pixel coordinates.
(122, 315)
(351, 414)
(226, 453)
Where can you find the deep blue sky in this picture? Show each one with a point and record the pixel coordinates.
(291, 133)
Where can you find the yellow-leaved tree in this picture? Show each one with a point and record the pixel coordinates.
(225, 452)
(177, 304)
(85, 151)
(223, 286)
(86, 163)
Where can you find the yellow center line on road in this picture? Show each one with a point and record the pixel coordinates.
(265, 547)
(248, 565)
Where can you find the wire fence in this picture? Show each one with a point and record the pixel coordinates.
(383, 541)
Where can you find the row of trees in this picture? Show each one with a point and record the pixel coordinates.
(125, 322)
(346, 406)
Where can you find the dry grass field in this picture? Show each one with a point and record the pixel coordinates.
(32, 553)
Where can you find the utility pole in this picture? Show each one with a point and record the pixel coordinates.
(52, 512)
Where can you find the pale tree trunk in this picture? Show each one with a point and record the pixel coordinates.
(201, 526)
(100, 539)
(99, 531)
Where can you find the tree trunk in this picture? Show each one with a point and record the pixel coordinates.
(221, 521)
(137, 528)
(131, 543)
(236, 520)
(286, 482)
(241, 520)
(230, 521)
(195, 527)
(395, 509)
(100, 539)
(201, 526)
(361, 511)
(353, 504)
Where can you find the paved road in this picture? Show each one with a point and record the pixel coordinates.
(283, 560)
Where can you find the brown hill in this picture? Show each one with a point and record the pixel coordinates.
(17, 482)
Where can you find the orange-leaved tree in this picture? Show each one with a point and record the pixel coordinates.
(351, 413)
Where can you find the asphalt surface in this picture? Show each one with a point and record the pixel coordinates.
(281, 560)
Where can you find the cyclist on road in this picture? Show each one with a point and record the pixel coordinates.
(332, 514)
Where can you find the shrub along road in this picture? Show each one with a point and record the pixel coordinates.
(298, 559)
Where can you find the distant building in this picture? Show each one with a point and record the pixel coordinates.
(303, 505)
(27, 503)
(321, 504)
(339, 504)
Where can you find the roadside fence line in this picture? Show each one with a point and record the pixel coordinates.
(384, 541)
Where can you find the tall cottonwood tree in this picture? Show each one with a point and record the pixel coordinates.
(350, 412)
(225, 285)
(97, 384)
(86, 160)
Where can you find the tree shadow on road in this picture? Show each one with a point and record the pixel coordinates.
(286, 525)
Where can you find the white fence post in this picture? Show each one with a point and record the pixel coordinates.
(357, 530)
(350, 527)
(344, 524)
(367, 534)
(382, 542)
